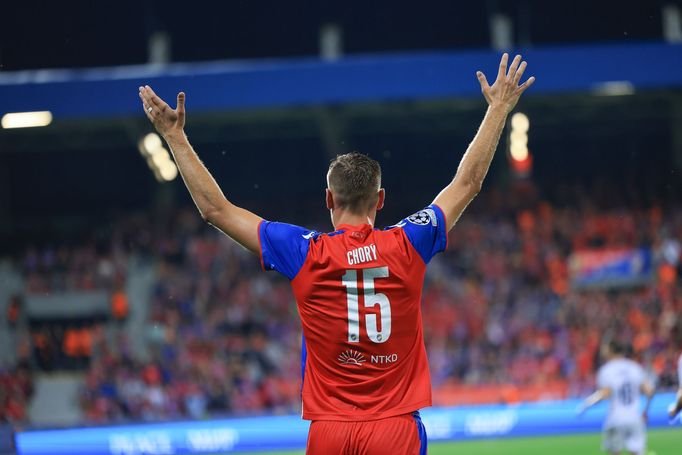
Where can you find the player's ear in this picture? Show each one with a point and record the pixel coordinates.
(382, 199)
(330, 199)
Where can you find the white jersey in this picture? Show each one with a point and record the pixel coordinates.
(624, 378)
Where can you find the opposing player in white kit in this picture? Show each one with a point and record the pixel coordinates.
(622, 381)
(677, 406)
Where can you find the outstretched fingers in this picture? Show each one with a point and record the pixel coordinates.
(502, 71)
(152, 99)
(181, 103)
(523, 87)
(513, 67)
(146, 97)
(482, 80)
(146, 107)
(149, 107)
(485, 87)
(155, 99)
(519, 73)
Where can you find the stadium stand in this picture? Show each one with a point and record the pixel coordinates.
(506, 318)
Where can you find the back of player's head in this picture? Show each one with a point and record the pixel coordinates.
(617, 348)
(354, 180)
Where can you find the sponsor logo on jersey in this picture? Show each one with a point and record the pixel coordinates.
(309, 235)
(391, 358)
(351, 357)
(423, 217)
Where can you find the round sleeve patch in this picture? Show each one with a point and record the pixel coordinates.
(423, 217)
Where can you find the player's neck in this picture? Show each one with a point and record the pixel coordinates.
(341, 217)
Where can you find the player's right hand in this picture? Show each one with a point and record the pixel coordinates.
(165, 119)
(506, 91)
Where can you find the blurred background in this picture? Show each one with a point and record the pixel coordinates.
(119, 306)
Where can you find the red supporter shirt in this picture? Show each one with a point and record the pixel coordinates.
(358, 292)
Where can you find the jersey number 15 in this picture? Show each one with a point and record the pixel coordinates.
(372, 298)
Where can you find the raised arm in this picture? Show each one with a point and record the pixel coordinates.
(598, 396)
(241, 225)
(502, 96)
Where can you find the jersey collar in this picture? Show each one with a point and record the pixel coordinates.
(351, 228)
(359, 232)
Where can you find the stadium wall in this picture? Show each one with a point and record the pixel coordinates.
(270, 433)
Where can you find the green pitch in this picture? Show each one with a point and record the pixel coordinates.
(661, 442)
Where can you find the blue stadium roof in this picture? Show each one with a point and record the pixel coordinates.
(235, 85)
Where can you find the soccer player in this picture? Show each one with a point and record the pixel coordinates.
(622, 381)
(677, 406)
(358, 289)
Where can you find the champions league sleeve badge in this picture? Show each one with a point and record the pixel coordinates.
(423, 217)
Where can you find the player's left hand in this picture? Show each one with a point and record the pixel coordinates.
(506, 91)
(645, 418)
(165, 119)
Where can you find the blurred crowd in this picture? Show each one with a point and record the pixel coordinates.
(16, 389)
(224, 338)
(498, 309)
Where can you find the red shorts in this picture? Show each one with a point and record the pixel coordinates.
(399, 435)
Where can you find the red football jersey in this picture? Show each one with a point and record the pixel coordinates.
(358, 292)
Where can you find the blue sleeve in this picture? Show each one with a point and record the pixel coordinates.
(283, 247)
(426, 231)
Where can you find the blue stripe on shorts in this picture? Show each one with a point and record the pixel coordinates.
(422, 432)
